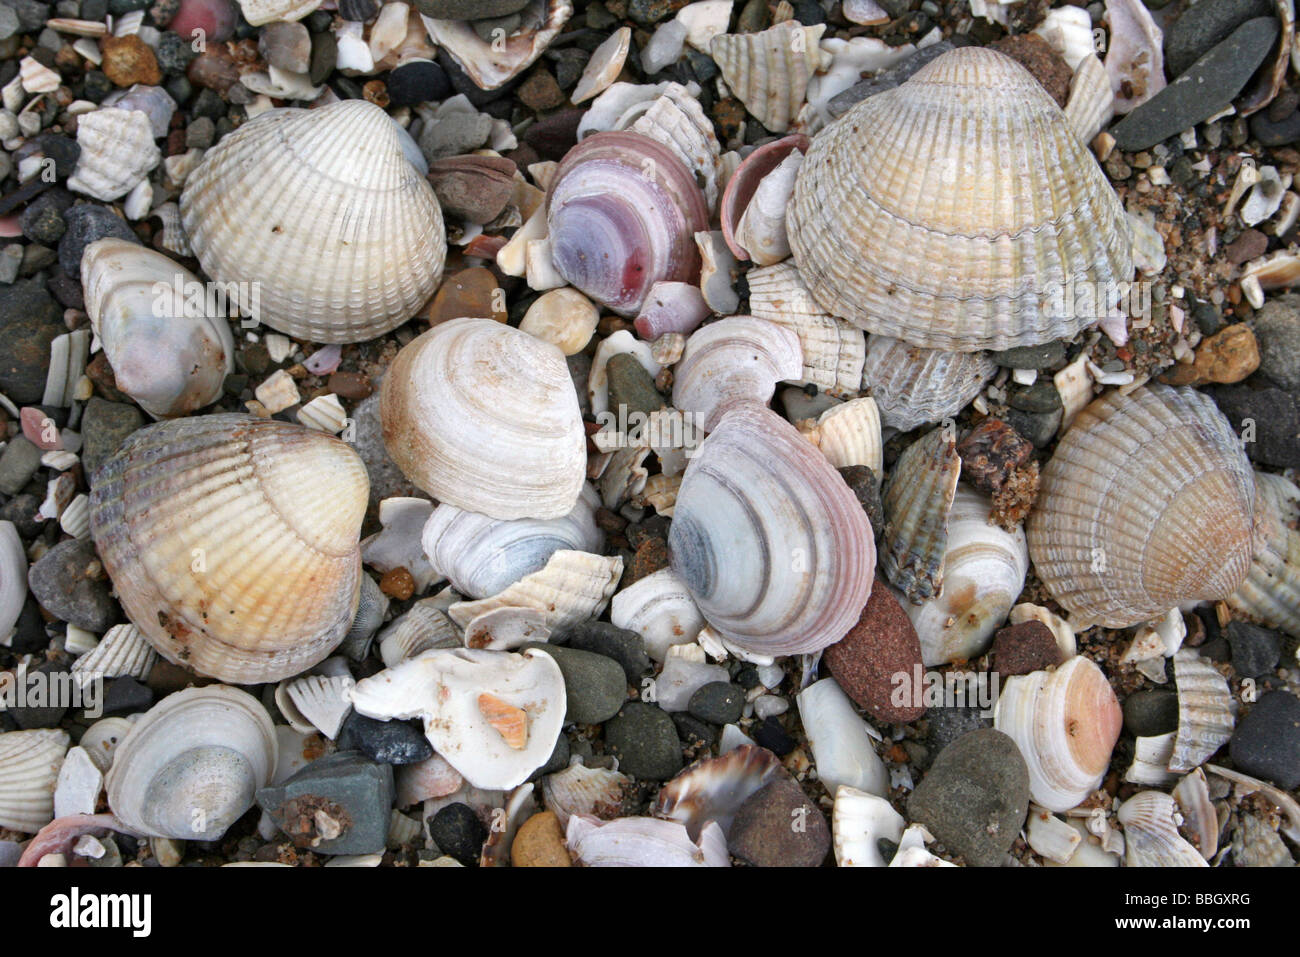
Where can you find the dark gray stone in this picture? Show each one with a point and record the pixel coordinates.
(1149, 713)
(1045, 356)
(418, 81)
(949, 723)
(104, 427)
(469, 9)
(1041, 398)
(70, 583)
(602, 638)
(719, 702)
(18, 463)
(1277, 330)
(1203, 26)
(1266, 743)
(594, 686)
(86, 223)
(644, 739)
(458, 832)
(389, 742)
(1272, 415)
(125, 695)
(29, 321)
(45, 711)
(346, 793)
(1038, 427)
(1255, 650)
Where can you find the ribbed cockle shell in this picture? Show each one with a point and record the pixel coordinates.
(1271, 592)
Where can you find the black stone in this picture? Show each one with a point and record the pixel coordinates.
(458, 832)
(126, 696)
(1045, 356)
(1255, 650)
(29, 321)
(51, 681)
(388, 742)
(602, 638)
(693, 733)
(86, 223)
(42, 220)
(1038, 428)
(1149, 713)
(718, 702)
(1272, 133)
(771, 735)
(644, 739)
(1203, 26)
(418, 81)
(1041, 398)
(1271, 414)
(1266, 743)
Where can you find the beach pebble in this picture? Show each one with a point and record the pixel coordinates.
(1274, 420)
(389, 742)
(453, 134)
(1255, 650)
(778, 826)
(104, 427)
(417, 81)
(338, 804)
(1266, 743)
(18, 463)
(458, 832)
(869, 659)
(602, 638)
(129, 60)
(86, 223)
(594, 686)
(469, 9)
(1021, 649)
(50, 674)
(470, 293)
(718, 702)
(1151, 712)
(29, 321)
(1228, 356)
(644, 739)
(70, 583)
(1203, 26)
(539, 842)
(1277, 330)
(286, 46)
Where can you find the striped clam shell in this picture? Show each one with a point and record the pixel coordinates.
(1271, 592)
(945, 211)
(122, 651)
(913, 386)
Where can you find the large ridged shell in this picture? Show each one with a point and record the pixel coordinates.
(643, 842)
(916, 503)
(1151, 837)
(769, 71)
(233, 542)
(623, 212)
(191, 766)
(1271, 592)
(1206, 711)
(1066, 723)
(715, 788)
(732, 361)
(486, 417)
(578, 789)
(166, 351)
(117, 152)
(915, 386)
(848, 434)
(571, 587)
(322, 211)
(1146, 504)
(774, 547)
(481, 556)
(945, 211)
(29, 768)
(984, 572)
(833, 350)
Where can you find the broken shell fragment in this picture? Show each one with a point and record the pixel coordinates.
(1207, 711)
(493, 62)
(29, 769)
(671, 307)
(660, 609)
(733, 361)
(1151, 837)
(1271, 592)
(848, 434)
(715, 788)
(743, 188)
(841, 743)
(916, 501)
(643, 842)
(117, 153)
(589, 792)
(572, 586)
(913, 386)
(859, 822)
(769, 71)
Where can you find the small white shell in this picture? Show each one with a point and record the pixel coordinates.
(424, 626)
(322, 700)
(644, 842)
(29, 769)
(117, 152)
(122, 651)
(13, 579)
(769, 71)
(858, 822)
(1206, 711)
(258, 12)
(915, 386)
(1092, 101)
(848, 434)
(1200, 818)
(1151, 835)
(1151, 761)
(580, 790)
(1050, 836)
(841, 745)
(103, 738)
(573, 586)
(660, 609)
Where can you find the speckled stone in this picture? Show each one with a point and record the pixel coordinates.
(778, 826)
(882, 645)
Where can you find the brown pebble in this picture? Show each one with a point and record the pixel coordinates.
(376, 92)
(1228, 356)
(651, 556)
(1249, 245)
(101, 374)
(349, 385)
(778, 826)
(1020, 649)
(1037, 56)
(214, 69)
(473, 188)
(540, 91)
(470, 293)
(990, 453)
(397, 584)
(129, 60)
(880, 647)
(539, 842)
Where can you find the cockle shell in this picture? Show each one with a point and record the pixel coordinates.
(167, 353)
(425, 625)
(482, 556)
(492, 64)
(13, 579)
(714, 789)
(735, 360)
(1271, 592)
(117, 153)
(333, 186)
(622, 212)
(770, 541)
(190, 767)
(571, 587)
(643, 842)
(1207, 711)
(677, 120)
(833, 350)
(29, 768)
(916, 501)
(322, 700)
(881, 240)
(848, 434)
(984, 571)
(1151, 837)
(1146, 504)
(769, 71)
(443, 688)
(660, 609)
(596, 792)
(485, 417)
(914, 386)
(841, 743)
(1066, 723)
(232, 542)
(122, 651)
(859, 821)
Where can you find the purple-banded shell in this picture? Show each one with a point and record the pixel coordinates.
(732, 361)
(1271, 592)
(623, 211)
(774, 547)
(916, 503)
(232, 542)
(745, 181)
(483, 416)
(714, 789)
(596, 792)
(913, 386)
(338, 238)
(643, 842)
(671, 307)
(1207, 711)
(1147, 504)
(946, 211)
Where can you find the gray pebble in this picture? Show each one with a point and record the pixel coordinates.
(644, 739)
(347, 792)
(70, 583)
(594, 686)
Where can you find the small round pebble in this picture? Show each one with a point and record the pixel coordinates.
(1255, 650)
(644, 739)
(778, 826)
(718, 702)
(594, 686)
(458, 832)
(539, 842)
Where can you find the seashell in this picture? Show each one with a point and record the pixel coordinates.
(622, 104)
(714, 789)
(68, 355)
(13, 579)
(761, 231)
(1273, 75)
(660, 493)
(760, 502)
(506, 628)
(732, 362)
(101, 740)
(123, 651)
(686, 670)
(422, 627)
(1069, 32)
(1051, 837)
(859, 821)
(117, 152)
(660, 609)
(485, 417)
(325, 413)
(677, 120)
(190, 767)
(1207, 711)
(833, 350)
(717, 272)
(1151, 761)
(984, 572)
(1247, 785)
(166, 351)
(1270, 593)
(29, 769)
(1066, 723)
(79, 783)
(586, 792)
(841, 744)
(1151, 837)
(704, 20)
(563, 317)
(848, 434)
(624, 475)
(911, 846)
(916, 501)
(36, 77)
(173, 239)
(881, 243)
(431, 778)
(622, 213)
(1200, 819)
(643, 842)
(399, 545)
(1092, 102)
(620, 343)
(1256, 844)
(371, 609)
(259, 12)
(153, 101)
(491, 64)
(915, 386)
(769, 71)
(671, 307)
(334, 186)
(520, 806)
(1135, 58)
(1146, 504)
(232, 542)
(322, 700)
(571, 587)
(603, 65)
(482, 556)
(743, 187)
(443, 688)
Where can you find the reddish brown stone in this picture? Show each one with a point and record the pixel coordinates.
(470, 293)
(214, 68)
(350, 385)
(397, 584)
(1249, 245)
(651, 556)
(991, 453)
(1037, 56)
(473, 188)
(129, 60)
(1020, 649)
(869, 659)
